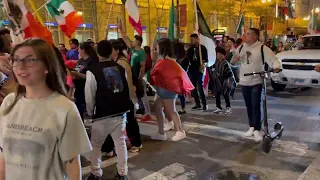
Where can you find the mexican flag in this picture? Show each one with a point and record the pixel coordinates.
(288, 10)
(134, 17)
(30, 26)
(251, 24)
(172, 22)
(313, 24)
(206, 39)
(240, 27)
(65, 15)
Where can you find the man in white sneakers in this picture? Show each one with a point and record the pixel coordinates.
(252, 56)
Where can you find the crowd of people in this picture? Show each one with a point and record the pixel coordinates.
(49, 93)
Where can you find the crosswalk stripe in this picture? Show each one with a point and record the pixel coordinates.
(230, 135)
(107, 163)
(174, 171)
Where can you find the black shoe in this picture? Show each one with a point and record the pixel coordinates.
(196, 108)
(205, 108)
(182, 112)
(140, 111)
(93, 177)
(119, 177)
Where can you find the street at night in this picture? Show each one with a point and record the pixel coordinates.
(215, 148)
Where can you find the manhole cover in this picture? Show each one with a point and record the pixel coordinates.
(232, 174)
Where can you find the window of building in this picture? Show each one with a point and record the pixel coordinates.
(83, 35)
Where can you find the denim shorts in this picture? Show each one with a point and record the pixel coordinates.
(165, 94)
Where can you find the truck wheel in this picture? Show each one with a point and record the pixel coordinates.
(277, 87)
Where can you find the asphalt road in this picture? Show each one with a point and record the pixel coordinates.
(215, 148)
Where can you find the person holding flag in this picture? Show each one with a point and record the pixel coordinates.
(195, 71)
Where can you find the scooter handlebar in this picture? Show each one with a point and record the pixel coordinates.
(261, 72)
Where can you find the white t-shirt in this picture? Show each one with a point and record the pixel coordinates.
(38, 136)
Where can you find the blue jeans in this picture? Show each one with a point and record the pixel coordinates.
(252, 98)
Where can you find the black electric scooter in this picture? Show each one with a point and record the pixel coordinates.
(268, 138)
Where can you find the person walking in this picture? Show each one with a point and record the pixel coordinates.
(88, 58)
(132, 128)
(169, 79)
(108, 102)
(252, 56)
(138, 59)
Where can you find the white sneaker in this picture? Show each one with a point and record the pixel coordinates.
(168, 126)
(249, 133)
(179, 136)
(87, 122)
(159, 137)
(217, 111)
(257, 136)
(228, 111)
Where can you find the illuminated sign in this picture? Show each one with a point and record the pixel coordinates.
(115, 26)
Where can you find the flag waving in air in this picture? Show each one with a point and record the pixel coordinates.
(134, 17)
(288, 10)
(240, 28)
(67, 18)
(28, 24)
(206, 37)
(251, 23)
(172, 22)
(313, 23)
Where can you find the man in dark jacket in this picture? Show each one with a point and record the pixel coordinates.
(196, 71)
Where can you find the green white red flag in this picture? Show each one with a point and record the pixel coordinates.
(30, 26)
(65, 15)
(240, 27)
(313, 23)
(288, 10)
(134, 17)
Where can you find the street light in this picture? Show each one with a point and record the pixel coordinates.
(307, 18)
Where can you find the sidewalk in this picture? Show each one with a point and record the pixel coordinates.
(313, 171)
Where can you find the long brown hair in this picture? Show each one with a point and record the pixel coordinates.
(44, 53)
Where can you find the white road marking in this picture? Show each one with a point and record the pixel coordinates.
(107, 163)
(174, 171)
(230, 135)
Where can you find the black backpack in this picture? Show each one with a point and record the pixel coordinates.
(262, 55)
(112, 95)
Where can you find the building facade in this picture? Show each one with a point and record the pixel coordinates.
(102, 16)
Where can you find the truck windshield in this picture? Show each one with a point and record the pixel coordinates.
(311, 42)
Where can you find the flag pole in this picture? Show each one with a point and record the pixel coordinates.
(111, 7)
(197, 29)
(35, 11)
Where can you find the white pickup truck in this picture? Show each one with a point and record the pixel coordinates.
(298, 66)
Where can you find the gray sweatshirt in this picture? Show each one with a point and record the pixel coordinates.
(251, 61)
